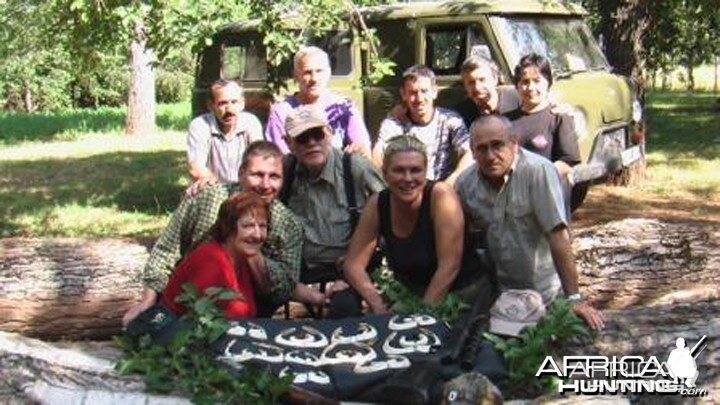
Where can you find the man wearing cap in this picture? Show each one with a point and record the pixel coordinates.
(514, 198)
(312, 73)
(315, 188)
(216, 140)
(442, 131)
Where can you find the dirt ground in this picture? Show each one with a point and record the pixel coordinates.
(611, 203)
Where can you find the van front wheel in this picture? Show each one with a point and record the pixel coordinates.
(579, 192)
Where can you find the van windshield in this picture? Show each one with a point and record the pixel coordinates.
(568, 43)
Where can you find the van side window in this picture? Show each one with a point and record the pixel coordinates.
(243, 60)
(448, 46)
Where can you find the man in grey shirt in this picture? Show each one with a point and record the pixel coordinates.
(514, 198)
(315, 188)
(216, 140)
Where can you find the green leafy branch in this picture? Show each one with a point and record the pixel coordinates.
(526, 353)
(286, 25)
(404, 301)
(187, 367)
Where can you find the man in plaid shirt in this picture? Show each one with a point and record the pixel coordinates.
(190, 225)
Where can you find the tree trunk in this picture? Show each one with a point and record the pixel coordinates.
(68, 287)
(27, 96)
(691, 78)
(141, 95)
(623, 24)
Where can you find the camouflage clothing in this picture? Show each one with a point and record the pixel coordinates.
(469, 389)
(191, 223)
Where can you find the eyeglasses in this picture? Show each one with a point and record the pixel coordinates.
(317, 134)
(494, 146)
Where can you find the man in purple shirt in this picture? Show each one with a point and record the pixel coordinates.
(312, 73)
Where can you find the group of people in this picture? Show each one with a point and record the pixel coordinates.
(473, 211)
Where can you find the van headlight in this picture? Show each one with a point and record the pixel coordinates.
(637, 112)
(580, 122)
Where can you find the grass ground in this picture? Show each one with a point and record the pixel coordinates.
(683, 165)
(66, 182)
(78, 175)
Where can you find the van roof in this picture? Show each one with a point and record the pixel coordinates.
(464, 7)
(414, 9)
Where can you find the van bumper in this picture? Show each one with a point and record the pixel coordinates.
(596, 170)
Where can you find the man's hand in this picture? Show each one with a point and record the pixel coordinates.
(594, 318)
(148, 299)
(308, 295)
(379, 308)
(259, 272)
(400, 113)
(335, 287)
(561, 108)
(198, 185)
(357, 147)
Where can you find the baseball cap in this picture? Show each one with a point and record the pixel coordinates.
(303, 118)
(515, 310)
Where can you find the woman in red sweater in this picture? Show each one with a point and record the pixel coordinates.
(238, 235)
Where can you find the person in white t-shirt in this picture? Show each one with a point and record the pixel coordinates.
(442, 131)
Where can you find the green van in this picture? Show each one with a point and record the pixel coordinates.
(441, 35)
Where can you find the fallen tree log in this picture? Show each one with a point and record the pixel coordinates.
(60, 287)
(77, 288)
(641, 262)
(83, 373)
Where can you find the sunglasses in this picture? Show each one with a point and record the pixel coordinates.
(316, 134)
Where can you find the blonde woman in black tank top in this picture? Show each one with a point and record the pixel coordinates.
(422, 225)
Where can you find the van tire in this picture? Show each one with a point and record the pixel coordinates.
(579, 192)
(633, 174)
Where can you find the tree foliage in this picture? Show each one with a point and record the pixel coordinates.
(683, 33)
(645, 34)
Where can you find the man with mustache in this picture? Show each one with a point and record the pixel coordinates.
(216, 140)
(442, 131)
(320, 182)
(312, 74)
(275, 272)
(513, 205)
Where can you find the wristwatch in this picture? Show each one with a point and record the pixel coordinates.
(577, 297)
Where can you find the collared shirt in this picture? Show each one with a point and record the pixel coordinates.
(191, 224)
(344, 118)
(445, 137)
(516, 220)
(220, 153)
(508, 100)
(321, 204)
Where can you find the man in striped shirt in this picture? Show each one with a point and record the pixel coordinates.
(442, 131)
